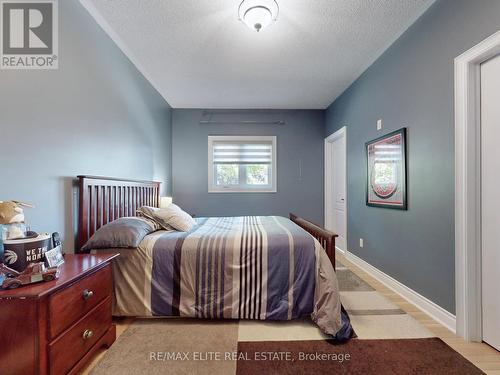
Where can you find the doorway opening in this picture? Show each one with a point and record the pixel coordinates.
(468, 189)
(336, 187)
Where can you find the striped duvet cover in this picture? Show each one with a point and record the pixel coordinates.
(254, 267)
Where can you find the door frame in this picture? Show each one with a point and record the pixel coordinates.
(339, 134)
(468, 187)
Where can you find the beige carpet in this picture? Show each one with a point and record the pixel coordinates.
(184, 346)
(159, 346)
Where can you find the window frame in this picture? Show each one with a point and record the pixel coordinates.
(213, 188)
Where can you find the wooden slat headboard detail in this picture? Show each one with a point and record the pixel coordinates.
(104, 199)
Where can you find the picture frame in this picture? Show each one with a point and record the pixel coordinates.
(386, 171)
(54, 257)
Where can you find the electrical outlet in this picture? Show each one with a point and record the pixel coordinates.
(361, 242)
(379, 124)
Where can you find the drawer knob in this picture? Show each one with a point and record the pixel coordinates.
(87, 294)
(87, 334)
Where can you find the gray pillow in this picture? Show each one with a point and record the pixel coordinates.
(126, 232)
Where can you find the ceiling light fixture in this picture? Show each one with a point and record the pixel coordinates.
(258, 14)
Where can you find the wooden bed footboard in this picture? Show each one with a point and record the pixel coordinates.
(325, 237)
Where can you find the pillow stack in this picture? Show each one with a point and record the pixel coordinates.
(170, 218)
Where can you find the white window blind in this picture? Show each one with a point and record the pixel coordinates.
(242, 163)
(243, 153)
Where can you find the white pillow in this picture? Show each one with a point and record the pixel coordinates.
(175, 217)
(148, 212)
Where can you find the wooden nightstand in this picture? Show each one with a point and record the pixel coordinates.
(55, 327)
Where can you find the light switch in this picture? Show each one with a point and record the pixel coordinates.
(379, 124)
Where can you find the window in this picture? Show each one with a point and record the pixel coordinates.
(241, 164)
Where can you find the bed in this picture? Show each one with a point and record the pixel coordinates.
(249, 267)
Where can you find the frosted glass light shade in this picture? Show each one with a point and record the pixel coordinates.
(165, 202)
(258, 14)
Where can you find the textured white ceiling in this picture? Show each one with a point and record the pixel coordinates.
(199, 55)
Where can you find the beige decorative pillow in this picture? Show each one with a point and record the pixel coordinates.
(149, 212)
(175, 217)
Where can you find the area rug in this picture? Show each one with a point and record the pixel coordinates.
(190, 346)
(186, 346)
(406, 356)
(171, 346)
(372, 315)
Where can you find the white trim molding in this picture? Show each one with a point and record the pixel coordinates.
(341, 251)
(341, 133)
(435, 311)
(468, 186)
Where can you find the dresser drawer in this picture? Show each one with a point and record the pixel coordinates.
(69, 348)
(70, 304)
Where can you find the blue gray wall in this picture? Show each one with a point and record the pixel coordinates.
(411, 85)
(300, 163)
(95, 115)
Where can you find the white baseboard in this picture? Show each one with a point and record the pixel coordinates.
(436, 312)
(339, 250)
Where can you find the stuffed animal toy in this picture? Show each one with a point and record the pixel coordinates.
(11, 212)
(12, 220)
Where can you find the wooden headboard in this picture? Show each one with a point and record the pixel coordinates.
(104, 199)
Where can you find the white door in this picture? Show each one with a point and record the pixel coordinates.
(335, 187)
(490, 199)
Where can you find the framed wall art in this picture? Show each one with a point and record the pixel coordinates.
(386, 171)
